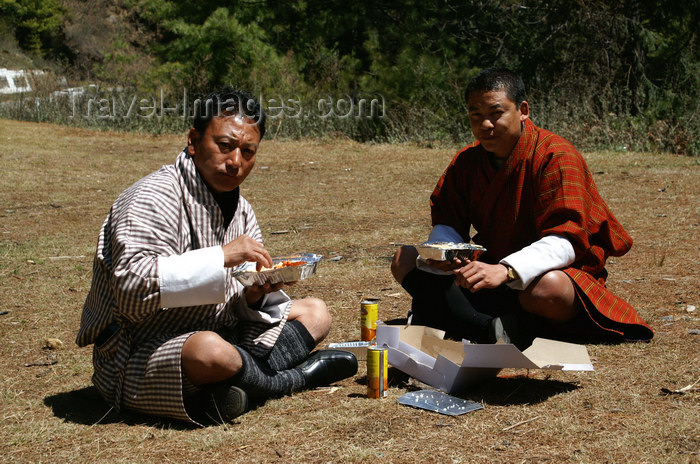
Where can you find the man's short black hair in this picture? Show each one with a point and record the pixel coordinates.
(228, 102)
(498, 78)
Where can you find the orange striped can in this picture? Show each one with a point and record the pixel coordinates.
(368, 319)
(377, 371)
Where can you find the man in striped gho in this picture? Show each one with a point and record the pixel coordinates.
(531, 200)
(175, 335)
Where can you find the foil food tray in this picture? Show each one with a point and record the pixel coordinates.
(447, 251)
(248, 276)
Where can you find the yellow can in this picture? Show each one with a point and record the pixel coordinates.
(377, 371)
(368, 320)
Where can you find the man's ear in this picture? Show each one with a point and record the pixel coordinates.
(192, 139)
(524, 111)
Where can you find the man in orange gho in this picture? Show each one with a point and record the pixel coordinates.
(547, 232)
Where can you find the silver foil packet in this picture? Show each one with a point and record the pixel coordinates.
(439, 402)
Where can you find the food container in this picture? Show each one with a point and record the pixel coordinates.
(248, 276)
(447, 251)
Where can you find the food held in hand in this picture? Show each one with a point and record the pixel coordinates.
(282, 264)
(446, 251)
(286, 269)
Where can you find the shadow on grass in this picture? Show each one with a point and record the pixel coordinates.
(397, 321)
(516, 390)
(501, 391)
(86, 406)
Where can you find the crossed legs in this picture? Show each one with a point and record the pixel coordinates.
(551, 296)
(207, 358)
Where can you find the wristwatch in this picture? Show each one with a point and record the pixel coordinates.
(512, 273)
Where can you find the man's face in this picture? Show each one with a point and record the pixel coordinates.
(496, 120)
(225, 154)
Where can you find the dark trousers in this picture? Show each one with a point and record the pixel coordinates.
(439, 303)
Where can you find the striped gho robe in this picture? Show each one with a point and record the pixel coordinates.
(165, 214)
(544, 188)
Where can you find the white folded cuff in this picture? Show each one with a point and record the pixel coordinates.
(548, 253)
(194, 278)
(424, 266)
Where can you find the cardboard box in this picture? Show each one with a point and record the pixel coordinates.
(422, 353)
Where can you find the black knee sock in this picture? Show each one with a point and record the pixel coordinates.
(428, 305)
(258, 380)
(462, 309)
(467, 319)
(292, 346)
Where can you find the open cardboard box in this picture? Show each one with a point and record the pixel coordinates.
(422, 353)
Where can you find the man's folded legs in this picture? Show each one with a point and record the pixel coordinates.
(288, 368)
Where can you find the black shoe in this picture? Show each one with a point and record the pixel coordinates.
(324, 367)
(221, 403)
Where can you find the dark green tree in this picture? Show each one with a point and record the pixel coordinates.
(36, 23)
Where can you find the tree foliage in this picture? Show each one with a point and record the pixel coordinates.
(602, 72)
(36, 23)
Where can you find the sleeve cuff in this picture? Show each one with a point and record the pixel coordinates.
(548, 253)
(194, 278)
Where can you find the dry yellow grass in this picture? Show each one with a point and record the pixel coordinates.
(350, 200)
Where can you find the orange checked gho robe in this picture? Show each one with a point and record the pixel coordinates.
(544, 188)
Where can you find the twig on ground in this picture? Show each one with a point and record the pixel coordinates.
(101, 418)
(511, 393)
(520, 423)
(688, 388)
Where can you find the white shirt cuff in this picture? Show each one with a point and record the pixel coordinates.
(550, 252)
(194, 278)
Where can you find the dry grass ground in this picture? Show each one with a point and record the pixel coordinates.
(355, 201)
